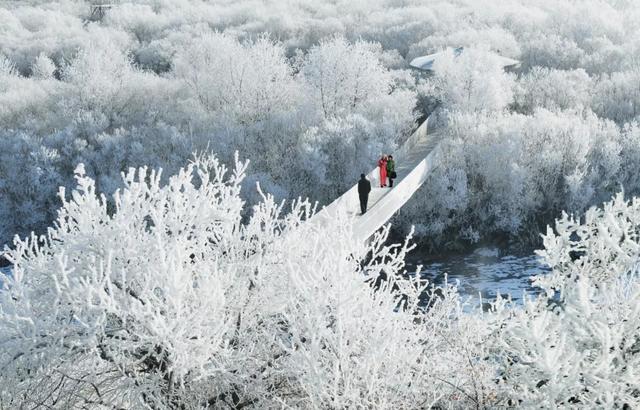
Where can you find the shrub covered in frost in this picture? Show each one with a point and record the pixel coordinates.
(238, 76)
(578, 343)
(506, 175)
(168, 300)
(108, 112)
(171, 300)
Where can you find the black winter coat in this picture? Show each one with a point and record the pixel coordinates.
(364, 187)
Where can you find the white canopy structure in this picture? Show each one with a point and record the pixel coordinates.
(427, 62)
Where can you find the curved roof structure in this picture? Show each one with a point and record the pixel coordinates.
(427, 62)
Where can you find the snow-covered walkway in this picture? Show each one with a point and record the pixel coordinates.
(414, 161)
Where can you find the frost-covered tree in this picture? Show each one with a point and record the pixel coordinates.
(7, 67)
(472, 81)
(108, 92)
(509, 173)
(104, 106)
(344, 77)
(43, 67)
(147, 66)
(248, 82)
(617, 96)
(169, 300)
(553, 90)
(578, 343)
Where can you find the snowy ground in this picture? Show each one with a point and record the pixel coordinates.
(484, 272)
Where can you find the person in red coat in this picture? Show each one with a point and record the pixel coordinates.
(382, 164)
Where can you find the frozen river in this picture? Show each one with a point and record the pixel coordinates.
(483, 272)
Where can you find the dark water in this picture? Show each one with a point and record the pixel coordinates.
(5, 271)
(483, 272)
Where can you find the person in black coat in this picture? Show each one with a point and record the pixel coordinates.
(364, 187)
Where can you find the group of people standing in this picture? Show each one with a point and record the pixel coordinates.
(387, 168)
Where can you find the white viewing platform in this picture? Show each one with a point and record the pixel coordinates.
(413, 162)
(429, 62)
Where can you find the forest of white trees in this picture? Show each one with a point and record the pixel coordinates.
(145, 156)
(312, 92)
(172, 300)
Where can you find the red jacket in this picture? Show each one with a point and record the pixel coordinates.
(383, 171)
